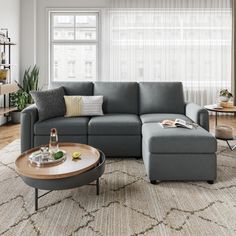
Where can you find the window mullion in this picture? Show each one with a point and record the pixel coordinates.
(73, 42)
(74, 26)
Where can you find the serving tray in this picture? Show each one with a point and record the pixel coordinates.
(37, 159)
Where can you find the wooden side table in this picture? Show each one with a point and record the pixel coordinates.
(231, 110)
(220, 110)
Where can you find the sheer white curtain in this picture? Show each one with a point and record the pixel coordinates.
(169, 40)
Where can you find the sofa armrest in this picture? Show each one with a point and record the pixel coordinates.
(197, 114)
(28, 117)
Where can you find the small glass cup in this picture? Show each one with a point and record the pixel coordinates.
(45, 153)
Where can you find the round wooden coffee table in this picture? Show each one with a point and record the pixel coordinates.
(65, 175)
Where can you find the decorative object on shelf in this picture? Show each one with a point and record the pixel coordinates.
(225, 95)
(18, 99)
(4, 35)
(31, 81)
(3, 58)
(3, 76)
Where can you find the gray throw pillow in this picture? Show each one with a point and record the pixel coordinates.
(50, 103)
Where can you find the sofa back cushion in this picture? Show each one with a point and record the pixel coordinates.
(118, 97)
(161, 97)
(75, 88)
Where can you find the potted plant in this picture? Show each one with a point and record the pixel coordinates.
(22, 98)
(30, 82)
(18, 99)
(225, 95)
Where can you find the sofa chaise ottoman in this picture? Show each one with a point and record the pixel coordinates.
(178, 153)
(129, 128)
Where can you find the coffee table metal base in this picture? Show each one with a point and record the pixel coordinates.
(229, 145)
(37, 196)
(82, 179)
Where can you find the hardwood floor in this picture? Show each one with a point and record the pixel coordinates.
(223, 120)
(10, 132)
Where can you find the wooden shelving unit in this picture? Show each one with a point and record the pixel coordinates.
(9, 87)
(4, 90)
(6, 110)
(7, 43)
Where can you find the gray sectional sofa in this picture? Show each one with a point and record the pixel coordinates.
(130, 127)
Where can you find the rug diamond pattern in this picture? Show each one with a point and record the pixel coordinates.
(127, 205)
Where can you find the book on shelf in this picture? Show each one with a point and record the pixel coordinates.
(177, 123)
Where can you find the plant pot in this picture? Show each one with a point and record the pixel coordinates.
(224, 99)
(15, 117)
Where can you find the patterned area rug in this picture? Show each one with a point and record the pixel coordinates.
(128, 203)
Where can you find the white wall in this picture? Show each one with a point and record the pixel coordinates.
(10, 18)
(34, 45)
(27, 34)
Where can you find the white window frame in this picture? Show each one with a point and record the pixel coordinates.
(52, 42)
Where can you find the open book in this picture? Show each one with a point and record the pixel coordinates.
(176, 123)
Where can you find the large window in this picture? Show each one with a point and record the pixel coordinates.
(73, 46)
(147, 41)
(188, 45)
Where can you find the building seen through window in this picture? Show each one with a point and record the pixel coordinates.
(74, 42)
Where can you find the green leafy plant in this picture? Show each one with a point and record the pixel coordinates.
(19, 99)
(30, 82)
(225, 93)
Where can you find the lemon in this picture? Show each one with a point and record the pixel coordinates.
(76, 155)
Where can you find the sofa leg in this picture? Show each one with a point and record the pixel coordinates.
(210, 181)
(153, 181)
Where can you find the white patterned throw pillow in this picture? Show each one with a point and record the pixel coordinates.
(83, 105)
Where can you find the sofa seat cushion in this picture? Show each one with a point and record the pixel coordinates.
(115, 124)
(64, 126)
(153, 118)
(177, 140)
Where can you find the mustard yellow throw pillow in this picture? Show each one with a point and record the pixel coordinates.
(73, 105)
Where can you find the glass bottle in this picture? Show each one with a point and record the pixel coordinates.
(53, 143)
